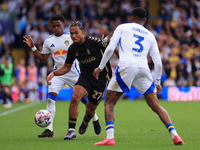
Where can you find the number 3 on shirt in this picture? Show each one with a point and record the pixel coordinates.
(140, 39)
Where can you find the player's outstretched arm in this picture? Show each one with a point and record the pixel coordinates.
(29, 41)
(61, 71)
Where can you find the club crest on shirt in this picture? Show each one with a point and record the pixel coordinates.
(76, 54)
(67, 42)
(88, 51)
(104, 43)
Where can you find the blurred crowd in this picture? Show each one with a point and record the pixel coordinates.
(176, 28)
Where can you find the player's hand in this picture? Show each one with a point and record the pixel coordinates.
(28, 40)
(96, 73)
(102, 37)
(49, 77)
(159, 88)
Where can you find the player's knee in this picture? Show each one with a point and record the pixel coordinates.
(75, 99)
(90, 111)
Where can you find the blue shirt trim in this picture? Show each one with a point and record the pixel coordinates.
(120, 44)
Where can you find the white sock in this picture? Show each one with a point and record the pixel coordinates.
(110, 133)
(71, 129)
(52, 108)
(95, 117)
(173, 133)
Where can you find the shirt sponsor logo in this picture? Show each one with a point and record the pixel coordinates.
(60, 52)
(88, 60)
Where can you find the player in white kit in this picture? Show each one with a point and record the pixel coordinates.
(135, 43)
(57, 45)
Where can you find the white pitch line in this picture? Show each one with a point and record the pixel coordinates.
(19, 108)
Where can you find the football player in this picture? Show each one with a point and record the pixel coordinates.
(57, 45)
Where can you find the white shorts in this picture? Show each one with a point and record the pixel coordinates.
(58, 82)
(140, 78)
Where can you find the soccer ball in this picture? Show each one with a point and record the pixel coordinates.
(43, 118)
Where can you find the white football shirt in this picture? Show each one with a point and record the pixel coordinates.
(135, 43)
(58, 47)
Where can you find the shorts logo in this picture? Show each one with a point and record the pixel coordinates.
(67, 42)
(60, 52)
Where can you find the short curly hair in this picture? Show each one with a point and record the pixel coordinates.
(57, 17)
(139, 12)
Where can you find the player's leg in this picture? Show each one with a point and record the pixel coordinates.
(7, 97)
(51, 100)
(153, 102)
(90, 112)
(119, 83)
(95, 94)
(78, 93)
(95, 118)
(84, 100)
(147, 86)
(110, 101)
(57, 83)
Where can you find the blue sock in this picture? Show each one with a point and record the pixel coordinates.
(170, 127)
(53, 97)
(84, 100)
(110, 124)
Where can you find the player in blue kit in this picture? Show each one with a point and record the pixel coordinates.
(135, 43)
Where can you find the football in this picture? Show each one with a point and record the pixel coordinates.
(43, 118)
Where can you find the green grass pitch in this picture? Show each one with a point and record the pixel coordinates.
(137, 127)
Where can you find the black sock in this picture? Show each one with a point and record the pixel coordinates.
(87, 118)
(5, 96)
(72, 123)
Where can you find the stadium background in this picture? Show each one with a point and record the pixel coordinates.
(175, 24)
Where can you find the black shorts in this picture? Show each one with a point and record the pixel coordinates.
(95, 88)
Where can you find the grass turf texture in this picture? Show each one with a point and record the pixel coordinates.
(136, 127)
